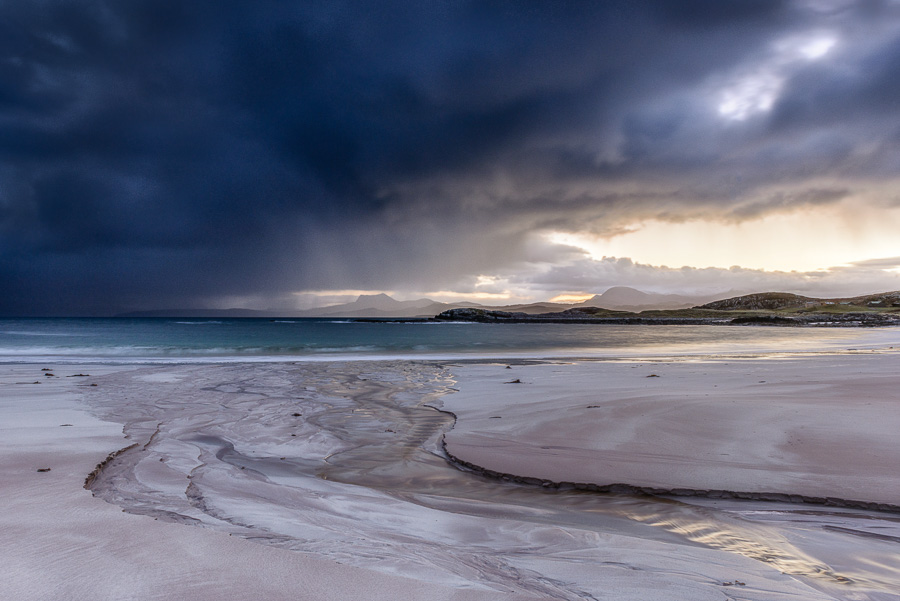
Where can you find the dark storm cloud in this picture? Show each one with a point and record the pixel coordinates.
(163, 153)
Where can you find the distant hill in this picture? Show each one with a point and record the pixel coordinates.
(780, 301)
(623, 298)
(531, 308)
(882, 299)
(767, 308)
(381, 305)
(617, 298)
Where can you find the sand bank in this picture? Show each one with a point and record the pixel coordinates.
(820, 426)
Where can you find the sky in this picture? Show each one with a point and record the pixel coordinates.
(283, 155)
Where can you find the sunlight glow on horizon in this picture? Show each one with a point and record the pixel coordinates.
(801, 241)
(571, 298)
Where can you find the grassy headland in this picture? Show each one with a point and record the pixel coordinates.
(767, 308)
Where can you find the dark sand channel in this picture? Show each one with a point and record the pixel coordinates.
(344, 461)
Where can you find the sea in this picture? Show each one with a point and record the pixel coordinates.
(195, 340)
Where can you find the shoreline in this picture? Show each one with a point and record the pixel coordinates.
(849, 319)
(611, 354)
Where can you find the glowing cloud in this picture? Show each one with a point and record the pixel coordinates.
(802, 240)
(757, 89)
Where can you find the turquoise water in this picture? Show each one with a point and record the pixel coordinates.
(208, 340)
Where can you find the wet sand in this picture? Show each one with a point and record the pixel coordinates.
(328, 481)
(60, 542)
(820, 426)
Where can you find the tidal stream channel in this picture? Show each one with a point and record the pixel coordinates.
(345, 461)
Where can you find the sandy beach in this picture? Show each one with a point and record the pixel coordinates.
(60, 542)
(328, 481)
(815, 426)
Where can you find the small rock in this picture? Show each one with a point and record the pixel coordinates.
(516, 381)
(62, 425)
(49, 375)
(43, 469)
(652, 376)
(296, 414)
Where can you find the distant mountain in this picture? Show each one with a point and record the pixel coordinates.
(383, 302)
(426, 311)
(383, 306)
(775, 301)
(533, 308)
(623, 298)
(618, 298)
